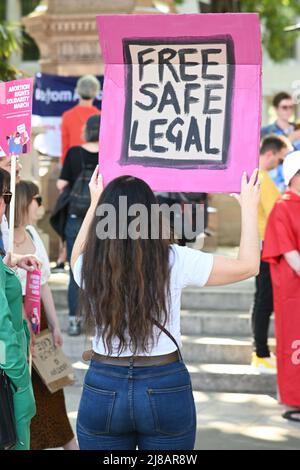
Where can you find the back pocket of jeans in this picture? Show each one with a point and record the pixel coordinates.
(95, 410)
(173, 409)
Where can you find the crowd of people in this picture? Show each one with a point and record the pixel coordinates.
(137, 392)
(278, 282)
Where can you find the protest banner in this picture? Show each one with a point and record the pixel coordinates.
(15, 116)
(15, 125)
(52, 96)
(181, 99)
(51, 364)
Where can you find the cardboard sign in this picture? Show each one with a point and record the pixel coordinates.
(15, 117)
(51, 364)
(181, 99)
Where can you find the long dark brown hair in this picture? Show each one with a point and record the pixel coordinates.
(125, 282)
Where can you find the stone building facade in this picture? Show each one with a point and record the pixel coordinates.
(66, 33)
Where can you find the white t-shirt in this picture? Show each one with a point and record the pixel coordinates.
(188, 267)
(5, 233)
(41, 254)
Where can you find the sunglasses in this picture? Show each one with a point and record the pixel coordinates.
(38, 199)
(286, 108)
(7, 197)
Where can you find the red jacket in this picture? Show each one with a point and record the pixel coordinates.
(282, 236)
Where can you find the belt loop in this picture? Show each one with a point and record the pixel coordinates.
(130, 371)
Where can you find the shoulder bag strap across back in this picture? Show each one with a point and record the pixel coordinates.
(162, 328)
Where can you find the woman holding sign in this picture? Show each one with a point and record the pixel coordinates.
(50, 427)
(137, 391)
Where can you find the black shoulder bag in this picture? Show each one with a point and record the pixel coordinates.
(8, 436)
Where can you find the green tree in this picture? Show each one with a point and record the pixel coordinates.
(8, 44)
(12, 41)
(275, 15)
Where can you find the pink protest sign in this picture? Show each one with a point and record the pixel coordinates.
(15, 116)
(32, 303)
(181, 102)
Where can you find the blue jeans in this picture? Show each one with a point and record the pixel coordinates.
(72, 228)
(124, 408)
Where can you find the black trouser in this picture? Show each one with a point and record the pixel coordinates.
(262, 310)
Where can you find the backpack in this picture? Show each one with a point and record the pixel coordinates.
(60, 213)
(80, 198)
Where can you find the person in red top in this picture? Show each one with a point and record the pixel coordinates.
(282, 251)
(73, 123)
(73, 120)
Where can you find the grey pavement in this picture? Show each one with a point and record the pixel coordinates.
(229, 421)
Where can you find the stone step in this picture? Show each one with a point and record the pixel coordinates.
(218, 322)
(218, 350)
(194, 298)
(235, 297)
(214, 376)
(230, 378)
(60, 296)
(211, 323)
(197, 350)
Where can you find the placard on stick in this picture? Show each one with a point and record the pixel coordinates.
(15, 116)
(51, 364)
(181, 99)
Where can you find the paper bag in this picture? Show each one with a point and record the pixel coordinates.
(51, 364)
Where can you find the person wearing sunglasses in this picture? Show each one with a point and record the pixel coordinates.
(50, 427)
(283, 126)
(284, 108)
(26, 262)
(14, 334)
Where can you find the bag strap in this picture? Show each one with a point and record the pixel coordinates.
(82, 157)
(30, 234)
(7, 380)
(162, 328)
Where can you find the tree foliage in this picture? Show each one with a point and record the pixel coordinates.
(9, 43)
(275, 15)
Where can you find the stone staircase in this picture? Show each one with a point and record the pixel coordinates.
(216, 339)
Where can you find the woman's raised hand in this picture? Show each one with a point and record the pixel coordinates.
(250, 191)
